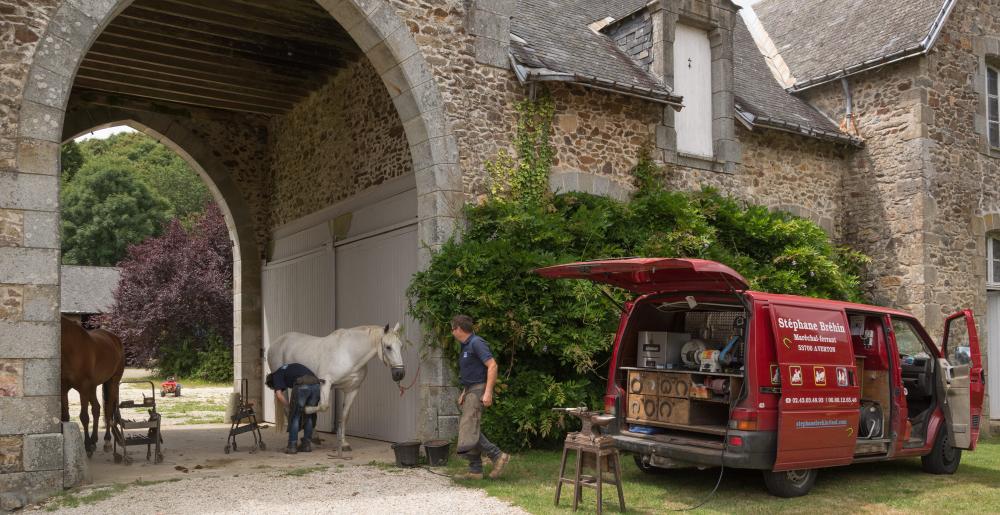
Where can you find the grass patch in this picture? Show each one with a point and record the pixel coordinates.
(69, 499)
(893, 486)
(301, 471)
(185, 383)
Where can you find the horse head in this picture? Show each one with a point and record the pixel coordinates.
(391, 352)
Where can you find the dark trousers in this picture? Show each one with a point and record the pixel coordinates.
(472, 443)
(302, 396)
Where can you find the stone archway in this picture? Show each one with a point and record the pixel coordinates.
(32, 186)
(825, 223)
(239, 219)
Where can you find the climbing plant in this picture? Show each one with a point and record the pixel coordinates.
(552, 338)
(525, 178)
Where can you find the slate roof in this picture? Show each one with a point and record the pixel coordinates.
(552, 40)
(761, 101)
(822, 40)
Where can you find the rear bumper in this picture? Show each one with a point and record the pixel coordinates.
(757, 452)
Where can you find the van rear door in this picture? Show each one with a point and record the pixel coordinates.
(820, 393)
(962, 379)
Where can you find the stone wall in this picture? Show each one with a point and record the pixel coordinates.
(344, 138)
(963, 178)
(634, 35)
(883, 197)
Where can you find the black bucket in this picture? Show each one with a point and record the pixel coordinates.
(407, 453)
(437, 452)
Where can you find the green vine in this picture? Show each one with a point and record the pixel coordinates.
(525, 178)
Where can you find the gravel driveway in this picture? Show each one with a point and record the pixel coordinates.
(346, 489)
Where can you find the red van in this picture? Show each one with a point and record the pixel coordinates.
(706, 373)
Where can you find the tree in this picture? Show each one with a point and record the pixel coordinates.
(175, 291)
(105, 208)
(71, 159)
(165, 172)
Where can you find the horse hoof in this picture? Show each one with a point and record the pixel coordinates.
(107, 447)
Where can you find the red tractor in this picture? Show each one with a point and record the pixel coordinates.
(170, 386)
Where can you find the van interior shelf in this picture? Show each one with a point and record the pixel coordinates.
(682, 371)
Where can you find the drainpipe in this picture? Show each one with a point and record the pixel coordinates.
(848, 125)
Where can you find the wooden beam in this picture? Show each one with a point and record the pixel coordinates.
(292, 13)
(273, 28)
(173, 96)
(98, 60)
(123, 73)
(192, 30)
(214, 57)
(171, 36)
(208, 94)
(237, 73)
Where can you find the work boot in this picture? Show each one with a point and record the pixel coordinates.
(472, 475)
(291, 449)
(499, 464)
(305, 446)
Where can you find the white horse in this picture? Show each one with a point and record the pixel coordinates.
(340, 360)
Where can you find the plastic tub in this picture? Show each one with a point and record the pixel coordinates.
(437, 452)
(407, 453)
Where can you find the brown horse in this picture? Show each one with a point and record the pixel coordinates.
(89, 359)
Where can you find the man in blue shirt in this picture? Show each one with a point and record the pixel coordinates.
(306, 389)
(477, 371)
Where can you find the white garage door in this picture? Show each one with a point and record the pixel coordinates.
(297, 297)
(372, 276)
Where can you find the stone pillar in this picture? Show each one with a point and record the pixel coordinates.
(31, 446)
(489, 22)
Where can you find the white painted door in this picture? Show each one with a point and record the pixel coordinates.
(693, 81)
(993, 355)
(298, 296)
(372, 276)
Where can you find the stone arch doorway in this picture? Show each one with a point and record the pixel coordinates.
(246, 256)
(42, 124)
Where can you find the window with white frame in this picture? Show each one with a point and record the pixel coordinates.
(993, 106)
(993, 262)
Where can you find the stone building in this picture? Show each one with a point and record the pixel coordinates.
(342, 137)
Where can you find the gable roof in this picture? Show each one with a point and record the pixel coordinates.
(762, 102)
(551, 41)
(823, 40)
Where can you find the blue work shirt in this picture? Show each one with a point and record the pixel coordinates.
(472, 360)
(287, 374)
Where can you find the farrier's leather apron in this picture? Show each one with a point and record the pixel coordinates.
(468, 424)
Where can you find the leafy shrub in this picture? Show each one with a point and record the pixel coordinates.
(552, 339)
(210, 361)
(175, 288)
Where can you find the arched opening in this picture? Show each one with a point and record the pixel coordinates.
(193, 230)
(162, 69)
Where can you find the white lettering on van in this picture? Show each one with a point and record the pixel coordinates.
(797, 324)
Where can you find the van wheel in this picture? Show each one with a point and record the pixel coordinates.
(644, 465)
(943, 458)
(790, 483)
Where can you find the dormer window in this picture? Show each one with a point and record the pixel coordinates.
(993, 106)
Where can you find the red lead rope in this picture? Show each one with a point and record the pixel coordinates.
(402, 389)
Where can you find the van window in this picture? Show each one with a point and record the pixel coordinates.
(908, 340)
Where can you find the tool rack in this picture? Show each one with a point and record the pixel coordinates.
(131, 432)
(244, 421)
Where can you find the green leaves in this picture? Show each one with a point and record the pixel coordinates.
(552, 338)
(105, 208)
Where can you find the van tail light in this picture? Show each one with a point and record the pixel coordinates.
(743, 420)
(736, 441)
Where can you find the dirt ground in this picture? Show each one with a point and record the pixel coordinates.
(195, 438)
(197, 476)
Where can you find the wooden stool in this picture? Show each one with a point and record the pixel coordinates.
(601, 449)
